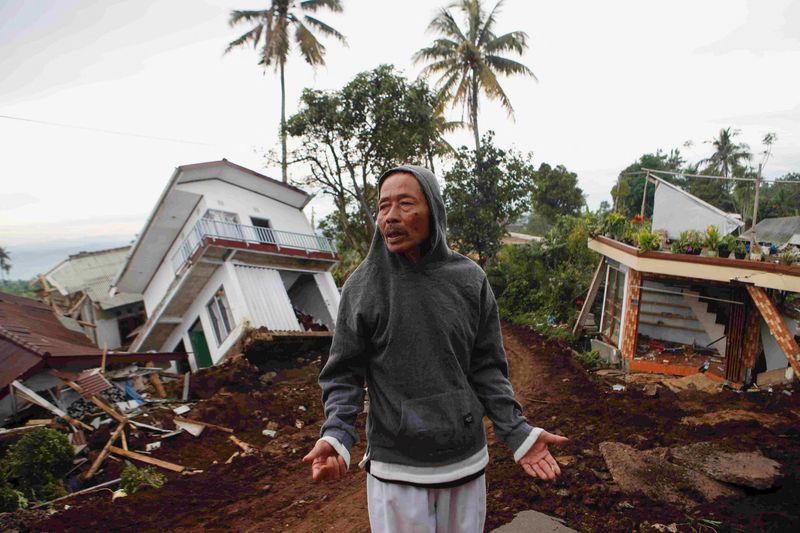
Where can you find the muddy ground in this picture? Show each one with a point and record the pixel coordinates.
(271, 490)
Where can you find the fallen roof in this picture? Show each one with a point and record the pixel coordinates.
(778, 231)
(676, 210)
(32, 337)
(93, 273)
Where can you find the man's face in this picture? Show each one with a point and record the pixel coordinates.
(403, 214)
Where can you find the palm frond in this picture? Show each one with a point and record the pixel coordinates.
(313, 5)
(515, 41)
(507, 67)
(238, 16)
(491, 86)
(486, 33)
(445, 24)
(439, 49)
(324, 28)
(312, 50)
(253, 36)
(276, 43)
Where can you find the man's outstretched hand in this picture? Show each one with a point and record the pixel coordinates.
(326, 464)
(538, 462)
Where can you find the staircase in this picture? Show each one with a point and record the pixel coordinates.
(683, 318)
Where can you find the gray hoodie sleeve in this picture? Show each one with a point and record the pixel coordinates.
(489, 377)
(342, 378)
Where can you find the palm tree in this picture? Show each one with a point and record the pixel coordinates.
(5, 261)
(728, 156)
(270, 30)
(469, 61)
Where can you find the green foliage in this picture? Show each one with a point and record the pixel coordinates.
(680, 245)
(713, 237)
(739, 248)
(484, 192)
(630, 185)
(10, 499)
(38, 461)
(349, 137)
(17, 286)
(538, 284)
(648, 240)
(614, 225)
(590, 359)
(693, 240)
(556, 192)
(135, 479)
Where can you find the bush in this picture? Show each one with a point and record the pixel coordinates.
(10, 499)
(38, 461)
(135, 479)
(590, 360)
(648, 241)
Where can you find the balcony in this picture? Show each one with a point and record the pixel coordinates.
(207, 232)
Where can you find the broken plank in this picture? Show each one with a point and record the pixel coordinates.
(247, 448)
(41, 402)
(201, 423)
(146, 459)
(156, 381)
(93, 398)
(105, 451)
(186, 383)
(590, 297)
(78, 493)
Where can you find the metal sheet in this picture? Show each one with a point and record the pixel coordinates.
(267, 301)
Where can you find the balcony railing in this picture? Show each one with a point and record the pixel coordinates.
(247, 234)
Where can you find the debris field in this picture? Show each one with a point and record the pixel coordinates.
(641, 457)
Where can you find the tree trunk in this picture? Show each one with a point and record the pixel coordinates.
(474, 112)
(284, 175)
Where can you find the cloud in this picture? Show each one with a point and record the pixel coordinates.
(769, 27)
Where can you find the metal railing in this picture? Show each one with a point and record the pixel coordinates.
(215, 229)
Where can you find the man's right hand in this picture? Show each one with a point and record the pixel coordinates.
(326, 464)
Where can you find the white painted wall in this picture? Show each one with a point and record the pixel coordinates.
(306, 297)
(330, 293)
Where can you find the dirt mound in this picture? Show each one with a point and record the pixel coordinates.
(235, 374)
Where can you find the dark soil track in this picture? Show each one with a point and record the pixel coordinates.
(272, 492)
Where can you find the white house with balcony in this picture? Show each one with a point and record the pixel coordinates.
(227, 250)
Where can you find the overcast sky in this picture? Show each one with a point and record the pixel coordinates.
(149, 83)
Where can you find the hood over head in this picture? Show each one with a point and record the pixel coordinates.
(435, 249)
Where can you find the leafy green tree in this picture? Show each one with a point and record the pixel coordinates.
(484, 191)
(728, 156)
(628, 191)
(271, 29)
(781, 198)
(556, 192)
(349, 137)
(468, 61)
(5, 261)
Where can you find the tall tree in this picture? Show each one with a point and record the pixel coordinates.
(728, 155)
(628, 191)
(271, 29)
(351, 136)
(468, 61)
(5, 261)
(556, 192)
(484, 192)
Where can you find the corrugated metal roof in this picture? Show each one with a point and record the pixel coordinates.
(778, 231)
(266, 297)
(93, 272)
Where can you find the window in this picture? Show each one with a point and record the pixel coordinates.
(222, 224)
(220, 313)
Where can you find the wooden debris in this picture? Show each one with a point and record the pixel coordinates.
(41, 402)
(200, 423)
(105, 451)
(93, 398)
(78, 493)
(246, 448)
(103, 360)
(156, 381)
(146, 459)
(187, 377)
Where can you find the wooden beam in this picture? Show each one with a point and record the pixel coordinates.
(156, 381)
(77, 305)
(200, 423)
(590, 296)
(93, 398)
(776, 326)
(147, 459)
(104, 452)
(41, 402)
(246, 448)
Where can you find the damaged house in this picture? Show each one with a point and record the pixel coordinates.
(679, 313)
(34, 341)
(79, 288)
(227, 251)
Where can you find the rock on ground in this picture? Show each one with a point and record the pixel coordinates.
(749, 469)
(534, 521)
(651, 474)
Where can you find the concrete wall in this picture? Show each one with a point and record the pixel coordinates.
(305, 296)
(772, 352)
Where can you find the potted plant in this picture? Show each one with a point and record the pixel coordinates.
(712, 240)
(648, 241)
(615, 225)
(726, 245)
(679, 245)
(694, 242)
(756, 253)
(740, 250)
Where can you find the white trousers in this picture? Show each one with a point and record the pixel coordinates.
(395, 508)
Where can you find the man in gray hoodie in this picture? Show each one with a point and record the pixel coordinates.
(418, 324)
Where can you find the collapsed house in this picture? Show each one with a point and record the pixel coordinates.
(34, 341)
(227, 251)
(779, 232)
(79, 288)
(680, 314)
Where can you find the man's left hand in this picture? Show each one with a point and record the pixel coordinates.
(538, 462)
